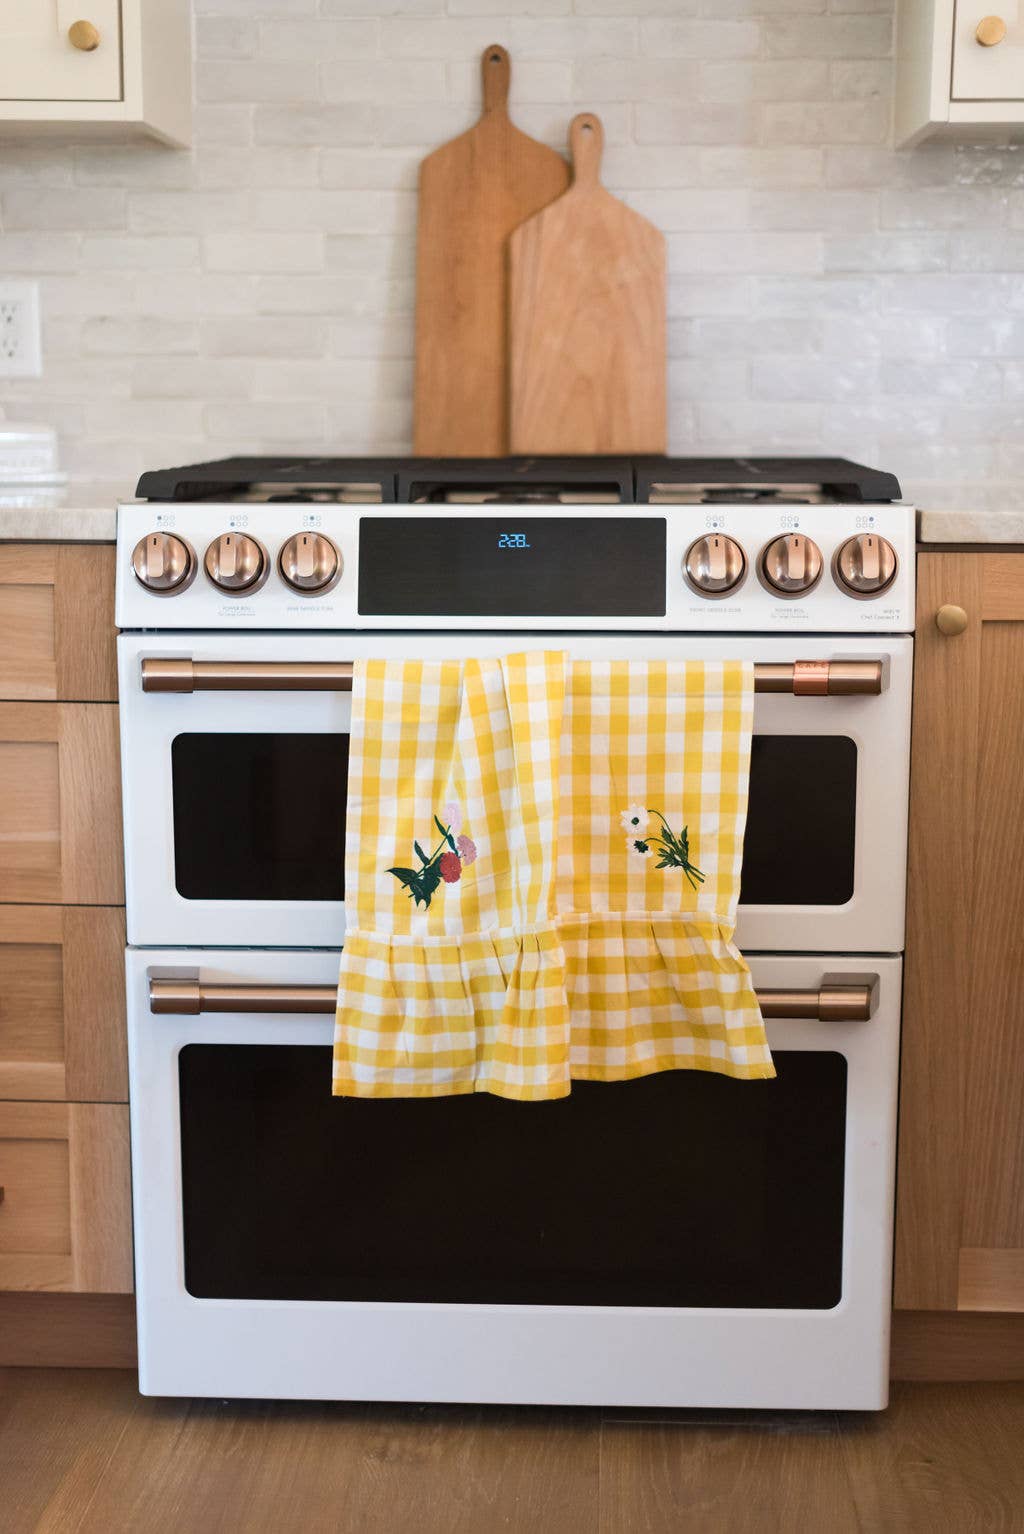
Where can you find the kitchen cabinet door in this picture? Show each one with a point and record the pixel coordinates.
(48, 53)
(60, 804)
(960, 1196)
(65, 1206)
(57, 622)
(988, 51)
(62, 1018)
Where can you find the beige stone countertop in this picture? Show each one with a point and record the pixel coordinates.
(88, 515)
(971, 514)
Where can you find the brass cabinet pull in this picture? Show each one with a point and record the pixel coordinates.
(951, 619)
(84, 36)
(803, 678)
(839, 998)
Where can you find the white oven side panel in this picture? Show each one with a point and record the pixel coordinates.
(814, 1359)
(872, 921)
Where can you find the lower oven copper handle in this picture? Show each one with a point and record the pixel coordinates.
(839, 999)
(803, 678)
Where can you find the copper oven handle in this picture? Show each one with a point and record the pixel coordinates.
(839, 999)
(803, 678)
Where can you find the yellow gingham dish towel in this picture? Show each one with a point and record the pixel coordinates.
(541, 876)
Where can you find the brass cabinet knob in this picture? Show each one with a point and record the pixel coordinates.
(990, 30)
(790, 565)
(163, 563)
(84, 36)
(714, 565)
(310, 564)
(950, 619)
(237, 563)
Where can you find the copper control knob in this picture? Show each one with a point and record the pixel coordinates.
(714, 565)
(790, 566)
(237, 563)
(865, 566)
(310, 564)
(163, 563)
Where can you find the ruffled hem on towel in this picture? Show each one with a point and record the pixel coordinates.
(603, 997)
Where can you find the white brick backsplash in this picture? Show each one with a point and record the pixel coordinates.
(226, 37)
(319, 41)
(825, 292)
(600, 80)
(311, 124)
(263, 251)
(142, 335)
(252, 335)
(700, 39)
(59, 207)
(830, 37)
(254, 80)
(764, 80)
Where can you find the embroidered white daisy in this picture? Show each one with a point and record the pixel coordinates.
(635, 819)
(638, 847)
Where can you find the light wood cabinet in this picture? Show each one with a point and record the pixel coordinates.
(60, 804)
(960, 1196)
(97, 63)
(65, 1195)
(62, 1022)
(959, 68)
(65, 1210)
(57, 635)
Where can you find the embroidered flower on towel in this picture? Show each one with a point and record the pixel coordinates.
(451, 868)
(638, 847)
(635, 819)
(446, 861)
(673, 851)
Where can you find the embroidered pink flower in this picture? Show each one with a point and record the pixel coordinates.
(451, 868)
(467, 849)
(451, 814)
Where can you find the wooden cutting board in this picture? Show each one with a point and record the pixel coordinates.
(587, 319)
(473, 192)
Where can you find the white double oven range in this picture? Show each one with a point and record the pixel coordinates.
(681, 1240)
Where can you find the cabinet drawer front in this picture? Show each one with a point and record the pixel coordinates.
(62, 1027)
(39, 63)
(65, 1214)
(60, 804)
(57, 621)
(994, 72)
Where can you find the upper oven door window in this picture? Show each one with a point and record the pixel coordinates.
(259, 815)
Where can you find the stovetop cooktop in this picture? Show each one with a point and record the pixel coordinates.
(566, 481)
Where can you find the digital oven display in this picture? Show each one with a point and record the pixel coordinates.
(516, 567)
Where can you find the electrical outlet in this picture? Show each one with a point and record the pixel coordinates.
(20, 349)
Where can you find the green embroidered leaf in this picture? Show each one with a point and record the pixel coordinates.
(420, 883)
(419, 853)
(446, 833)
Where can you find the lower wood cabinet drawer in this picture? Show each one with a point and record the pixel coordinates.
(65, 1210)
(60, 804)
(57, 622)
(62, 1022)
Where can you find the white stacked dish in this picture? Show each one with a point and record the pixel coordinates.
(29, 476)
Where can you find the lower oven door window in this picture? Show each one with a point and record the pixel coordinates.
(679, 1189)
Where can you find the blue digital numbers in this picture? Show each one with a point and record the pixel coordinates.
(512, 541)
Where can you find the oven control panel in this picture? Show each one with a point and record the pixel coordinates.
(842, 568)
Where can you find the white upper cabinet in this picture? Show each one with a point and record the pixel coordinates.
(988, 52)
(960, 69)
(96, 64)
(50, 51)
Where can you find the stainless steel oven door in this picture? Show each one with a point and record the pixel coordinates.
(234, 801)
(682, 1239)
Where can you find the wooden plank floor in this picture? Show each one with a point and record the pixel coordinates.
(82, 1453)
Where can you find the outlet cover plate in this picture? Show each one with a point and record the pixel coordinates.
(20, 348)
